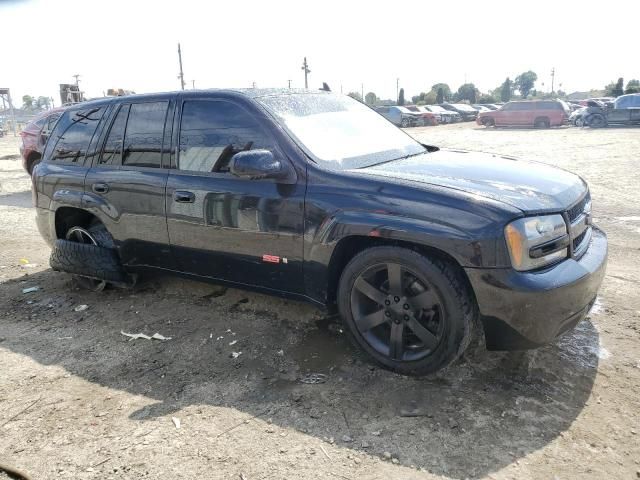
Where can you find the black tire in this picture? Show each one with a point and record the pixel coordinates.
(405, 123)
(454, 311)
(488, 122)
(90, 256)
(596, 120)
(32, 165)
(541, 123)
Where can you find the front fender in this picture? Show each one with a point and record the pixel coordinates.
(471, 241)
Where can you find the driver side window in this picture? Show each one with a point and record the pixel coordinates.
(212, 131)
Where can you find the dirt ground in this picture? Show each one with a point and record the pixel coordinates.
(79, 400)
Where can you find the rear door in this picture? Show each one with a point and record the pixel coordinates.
(247, 231)
(126, 186)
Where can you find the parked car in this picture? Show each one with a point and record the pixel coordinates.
(482, 108)
(34, 136)
(533, 113)
(426, 117)
(400, 116)
(490, 106)
(446, 116)
(312, 196)
(624, 111)
(466, 112)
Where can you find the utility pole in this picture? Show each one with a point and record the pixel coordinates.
(77, 77)
(553, 75)
(397, 89)
(193, 84)
(289, 84)
(305, 67)
(181, 76)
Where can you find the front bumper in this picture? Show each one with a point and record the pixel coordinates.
(522, 310)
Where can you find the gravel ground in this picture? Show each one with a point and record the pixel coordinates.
(79, 400)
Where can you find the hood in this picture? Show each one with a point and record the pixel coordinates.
(530, 186)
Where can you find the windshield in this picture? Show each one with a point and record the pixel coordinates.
(338, 132)
(436, 109)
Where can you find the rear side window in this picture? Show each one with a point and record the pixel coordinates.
(112, 152)
(144, 134)
(72, 135)
(212, 132)
(549, 106)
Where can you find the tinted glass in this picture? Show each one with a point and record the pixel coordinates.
(143, 135)
(73, 134)
(549, 106)
(213, 131)
(112, 152)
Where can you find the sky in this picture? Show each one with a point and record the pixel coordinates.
(350, 45)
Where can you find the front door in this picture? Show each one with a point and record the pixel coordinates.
(126, 186)
(247, 231)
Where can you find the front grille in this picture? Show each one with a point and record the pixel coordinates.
(575, 211)
(578, 240)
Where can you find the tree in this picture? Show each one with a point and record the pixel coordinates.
(355, 95)
(505, 90)
(440, 95)
(619, 88)
(525, 82)
(370, 98)
(633, 86)
(486, 98)
(446, 91)
(27, 102)
(43, 103)
(467, 91)
(401, 97)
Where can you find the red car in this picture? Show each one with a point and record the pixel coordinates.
(534, 113)
(34, 136)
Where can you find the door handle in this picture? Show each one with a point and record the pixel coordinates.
(100, 187)
(182, 196)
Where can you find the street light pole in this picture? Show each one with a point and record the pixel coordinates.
(181, 76)
(305, 67)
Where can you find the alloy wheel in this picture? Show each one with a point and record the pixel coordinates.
(397, 312)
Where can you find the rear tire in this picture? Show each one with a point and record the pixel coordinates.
(488, 122)
(404, 123)
(91, 252)
(411, 314)
(541, 123)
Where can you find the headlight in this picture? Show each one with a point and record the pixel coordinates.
(537, 241)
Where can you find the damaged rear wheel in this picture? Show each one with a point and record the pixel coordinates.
(80, 235)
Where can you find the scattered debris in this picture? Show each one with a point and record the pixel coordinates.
(235, 354)
(325, 452)
(176, 421)
(233, 343)
(386, 455)
(23, 261)
(313, 378)
(347, 439)
(135, 336)
(30, 289)
(280, 353)
(81, 308)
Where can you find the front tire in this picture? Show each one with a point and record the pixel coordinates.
(410, 313)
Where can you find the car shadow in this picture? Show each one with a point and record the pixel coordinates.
(481, 414)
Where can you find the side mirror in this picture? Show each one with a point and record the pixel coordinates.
(257, 164)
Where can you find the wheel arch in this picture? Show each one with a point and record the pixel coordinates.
(542, 118)
(67, 217)
(32, 159)
(350, 246)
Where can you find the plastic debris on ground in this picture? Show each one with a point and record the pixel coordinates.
(176, 421)
(313, 378)
(30, 289)
(81, 308)
(136, 336)
(235, 354)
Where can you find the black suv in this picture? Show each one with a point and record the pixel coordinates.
(314, 196)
